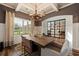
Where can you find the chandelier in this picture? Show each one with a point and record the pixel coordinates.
(36, 16)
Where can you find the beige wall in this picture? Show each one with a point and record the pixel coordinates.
(2, 32)
(37, 30)
(76, 35)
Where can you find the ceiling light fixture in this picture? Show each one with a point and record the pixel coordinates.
(36, 16)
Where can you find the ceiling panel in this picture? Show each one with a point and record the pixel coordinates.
(29, 8)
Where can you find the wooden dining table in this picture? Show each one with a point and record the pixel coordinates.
(40, 40)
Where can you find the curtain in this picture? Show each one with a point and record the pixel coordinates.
(9, 20)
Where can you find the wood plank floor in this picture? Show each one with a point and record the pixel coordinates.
(15, 50)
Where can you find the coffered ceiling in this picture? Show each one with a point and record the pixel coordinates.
(42, 8)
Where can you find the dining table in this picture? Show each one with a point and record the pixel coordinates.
(40, 40)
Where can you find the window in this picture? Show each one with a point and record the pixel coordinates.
(56, 28)
(22, 26)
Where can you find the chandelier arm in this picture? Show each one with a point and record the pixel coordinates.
(36, 16)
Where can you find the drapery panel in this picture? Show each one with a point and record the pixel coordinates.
(9, 21)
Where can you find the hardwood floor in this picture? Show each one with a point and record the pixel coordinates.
(15, 50)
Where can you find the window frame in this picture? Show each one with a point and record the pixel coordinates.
(54, 21)
(22, 29)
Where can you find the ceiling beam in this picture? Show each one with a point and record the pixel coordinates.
(54, 6)
(66, 5)
(7, 6)
(18, 7)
